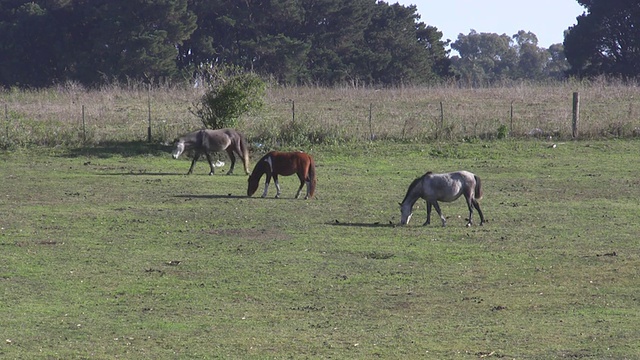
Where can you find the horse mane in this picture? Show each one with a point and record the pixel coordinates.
(413, 184)
(260, 167)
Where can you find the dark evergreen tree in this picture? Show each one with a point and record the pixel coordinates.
(605, 40)
(134, 39)
(294, 41)
(30, 45)
(43, 42)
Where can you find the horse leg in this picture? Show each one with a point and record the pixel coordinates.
(444, 221)
(306, 197)
(428, 214)
(193, 162)
(239, 149)
(275, 180)
(233, 160)
(210, 162)
(266, 185)
(470, 205)
(301, 176)
(477, 206)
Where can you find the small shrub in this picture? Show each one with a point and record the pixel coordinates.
(222, 105)
(503, 131)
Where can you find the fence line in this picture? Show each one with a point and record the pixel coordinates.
(440, 120)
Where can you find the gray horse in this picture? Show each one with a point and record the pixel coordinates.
(442, 187)
(204, 142)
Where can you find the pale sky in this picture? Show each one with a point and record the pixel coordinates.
(548, 19)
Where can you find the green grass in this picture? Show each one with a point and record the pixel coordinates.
(112, 252)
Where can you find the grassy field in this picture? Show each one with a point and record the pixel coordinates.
(112, 252)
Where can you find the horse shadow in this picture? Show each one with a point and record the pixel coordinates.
(133, 173)
(108, 149)
(376, 224)
(211, 196)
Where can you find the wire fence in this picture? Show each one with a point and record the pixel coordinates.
(320, 115)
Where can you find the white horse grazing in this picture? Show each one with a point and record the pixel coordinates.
(442, 187)
(207, 141)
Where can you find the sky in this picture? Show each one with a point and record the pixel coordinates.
(548, 19)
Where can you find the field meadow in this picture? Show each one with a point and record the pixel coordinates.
(113, 252)
(108, 250)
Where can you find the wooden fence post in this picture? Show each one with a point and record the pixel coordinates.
(440, 126)
(511, 120)
(370, 122)
(149, 111)
(6, 116)
(576, 114)
(84, 127)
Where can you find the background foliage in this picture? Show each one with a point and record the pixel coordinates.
(320, 42)
(606, 39)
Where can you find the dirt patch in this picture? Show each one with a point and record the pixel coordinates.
(39, 242)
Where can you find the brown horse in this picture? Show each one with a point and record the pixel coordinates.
(284, 163)
(204, 142)
(442, 187)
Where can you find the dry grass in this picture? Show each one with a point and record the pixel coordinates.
(121, 113)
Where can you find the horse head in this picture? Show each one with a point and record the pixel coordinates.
(178, 150)
(254, 181)
(405, 214)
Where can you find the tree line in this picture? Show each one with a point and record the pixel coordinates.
(322, 42)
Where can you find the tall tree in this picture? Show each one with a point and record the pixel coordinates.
(48, 41)
(557, 64)
(131, 38)
(399, 49)
(606, 39)
(335, 29)
(30, 45)
(294, 41)
(484, 58)
(264, 36)
(531, 59)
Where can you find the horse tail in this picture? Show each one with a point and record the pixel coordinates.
(312, 177)
(244, 147)
(478, 189)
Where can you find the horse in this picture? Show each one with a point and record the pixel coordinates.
(442, 187)
(277, 163)
(207, 141)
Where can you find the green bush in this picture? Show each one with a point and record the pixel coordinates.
(503, 131)
(222, 105)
